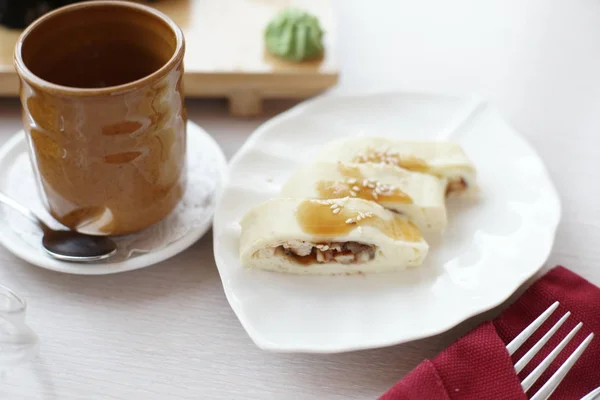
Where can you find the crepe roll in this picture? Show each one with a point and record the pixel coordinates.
(445, 160)
(329, 237)
(420, 197)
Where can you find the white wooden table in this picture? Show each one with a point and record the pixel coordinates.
(167, 332)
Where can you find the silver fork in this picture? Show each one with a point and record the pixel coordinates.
(550, 386)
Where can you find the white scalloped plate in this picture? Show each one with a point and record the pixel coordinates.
(492, 245)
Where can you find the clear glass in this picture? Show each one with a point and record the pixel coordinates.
(18, 343)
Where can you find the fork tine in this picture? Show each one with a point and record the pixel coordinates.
(539, 370)
(536, 348)
(594, 394)
(550, 386)
(524, 335)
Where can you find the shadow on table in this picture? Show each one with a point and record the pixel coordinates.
(190, 271)
(34, 378)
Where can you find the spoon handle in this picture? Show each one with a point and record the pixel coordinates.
(16, 206)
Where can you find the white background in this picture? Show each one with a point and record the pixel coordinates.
(167, 332)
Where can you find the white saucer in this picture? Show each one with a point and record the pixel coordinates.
(191, 219)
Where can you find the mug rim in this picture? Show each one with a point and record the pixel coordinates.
(26, 74)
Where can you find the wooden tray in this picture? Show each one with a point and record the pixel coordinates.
(225, 54)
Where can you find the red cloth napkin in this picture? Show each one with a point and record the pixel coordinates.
(478, 367)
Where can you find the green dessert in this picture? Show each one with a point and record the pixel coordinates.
(294, 35)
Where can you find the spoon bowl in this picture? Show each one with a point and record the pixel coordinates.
(67, 245)
(77, 247)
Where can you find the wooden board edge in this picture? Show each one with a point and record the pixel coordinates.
(245, 91)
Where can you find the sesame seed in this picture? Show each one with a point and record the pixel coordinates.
(375, 195)
(358, 218)
(349, 221)
(371, 186)
(325, 248)
(355, 188)
(334, 206)
(365, 182)
(352, 193)
(351, 181)
(337, 210)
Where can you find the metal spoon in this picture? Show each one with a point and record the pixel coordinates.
(67, 245)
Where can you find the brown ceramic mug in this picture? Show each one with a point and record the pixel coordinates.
(103, 111)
